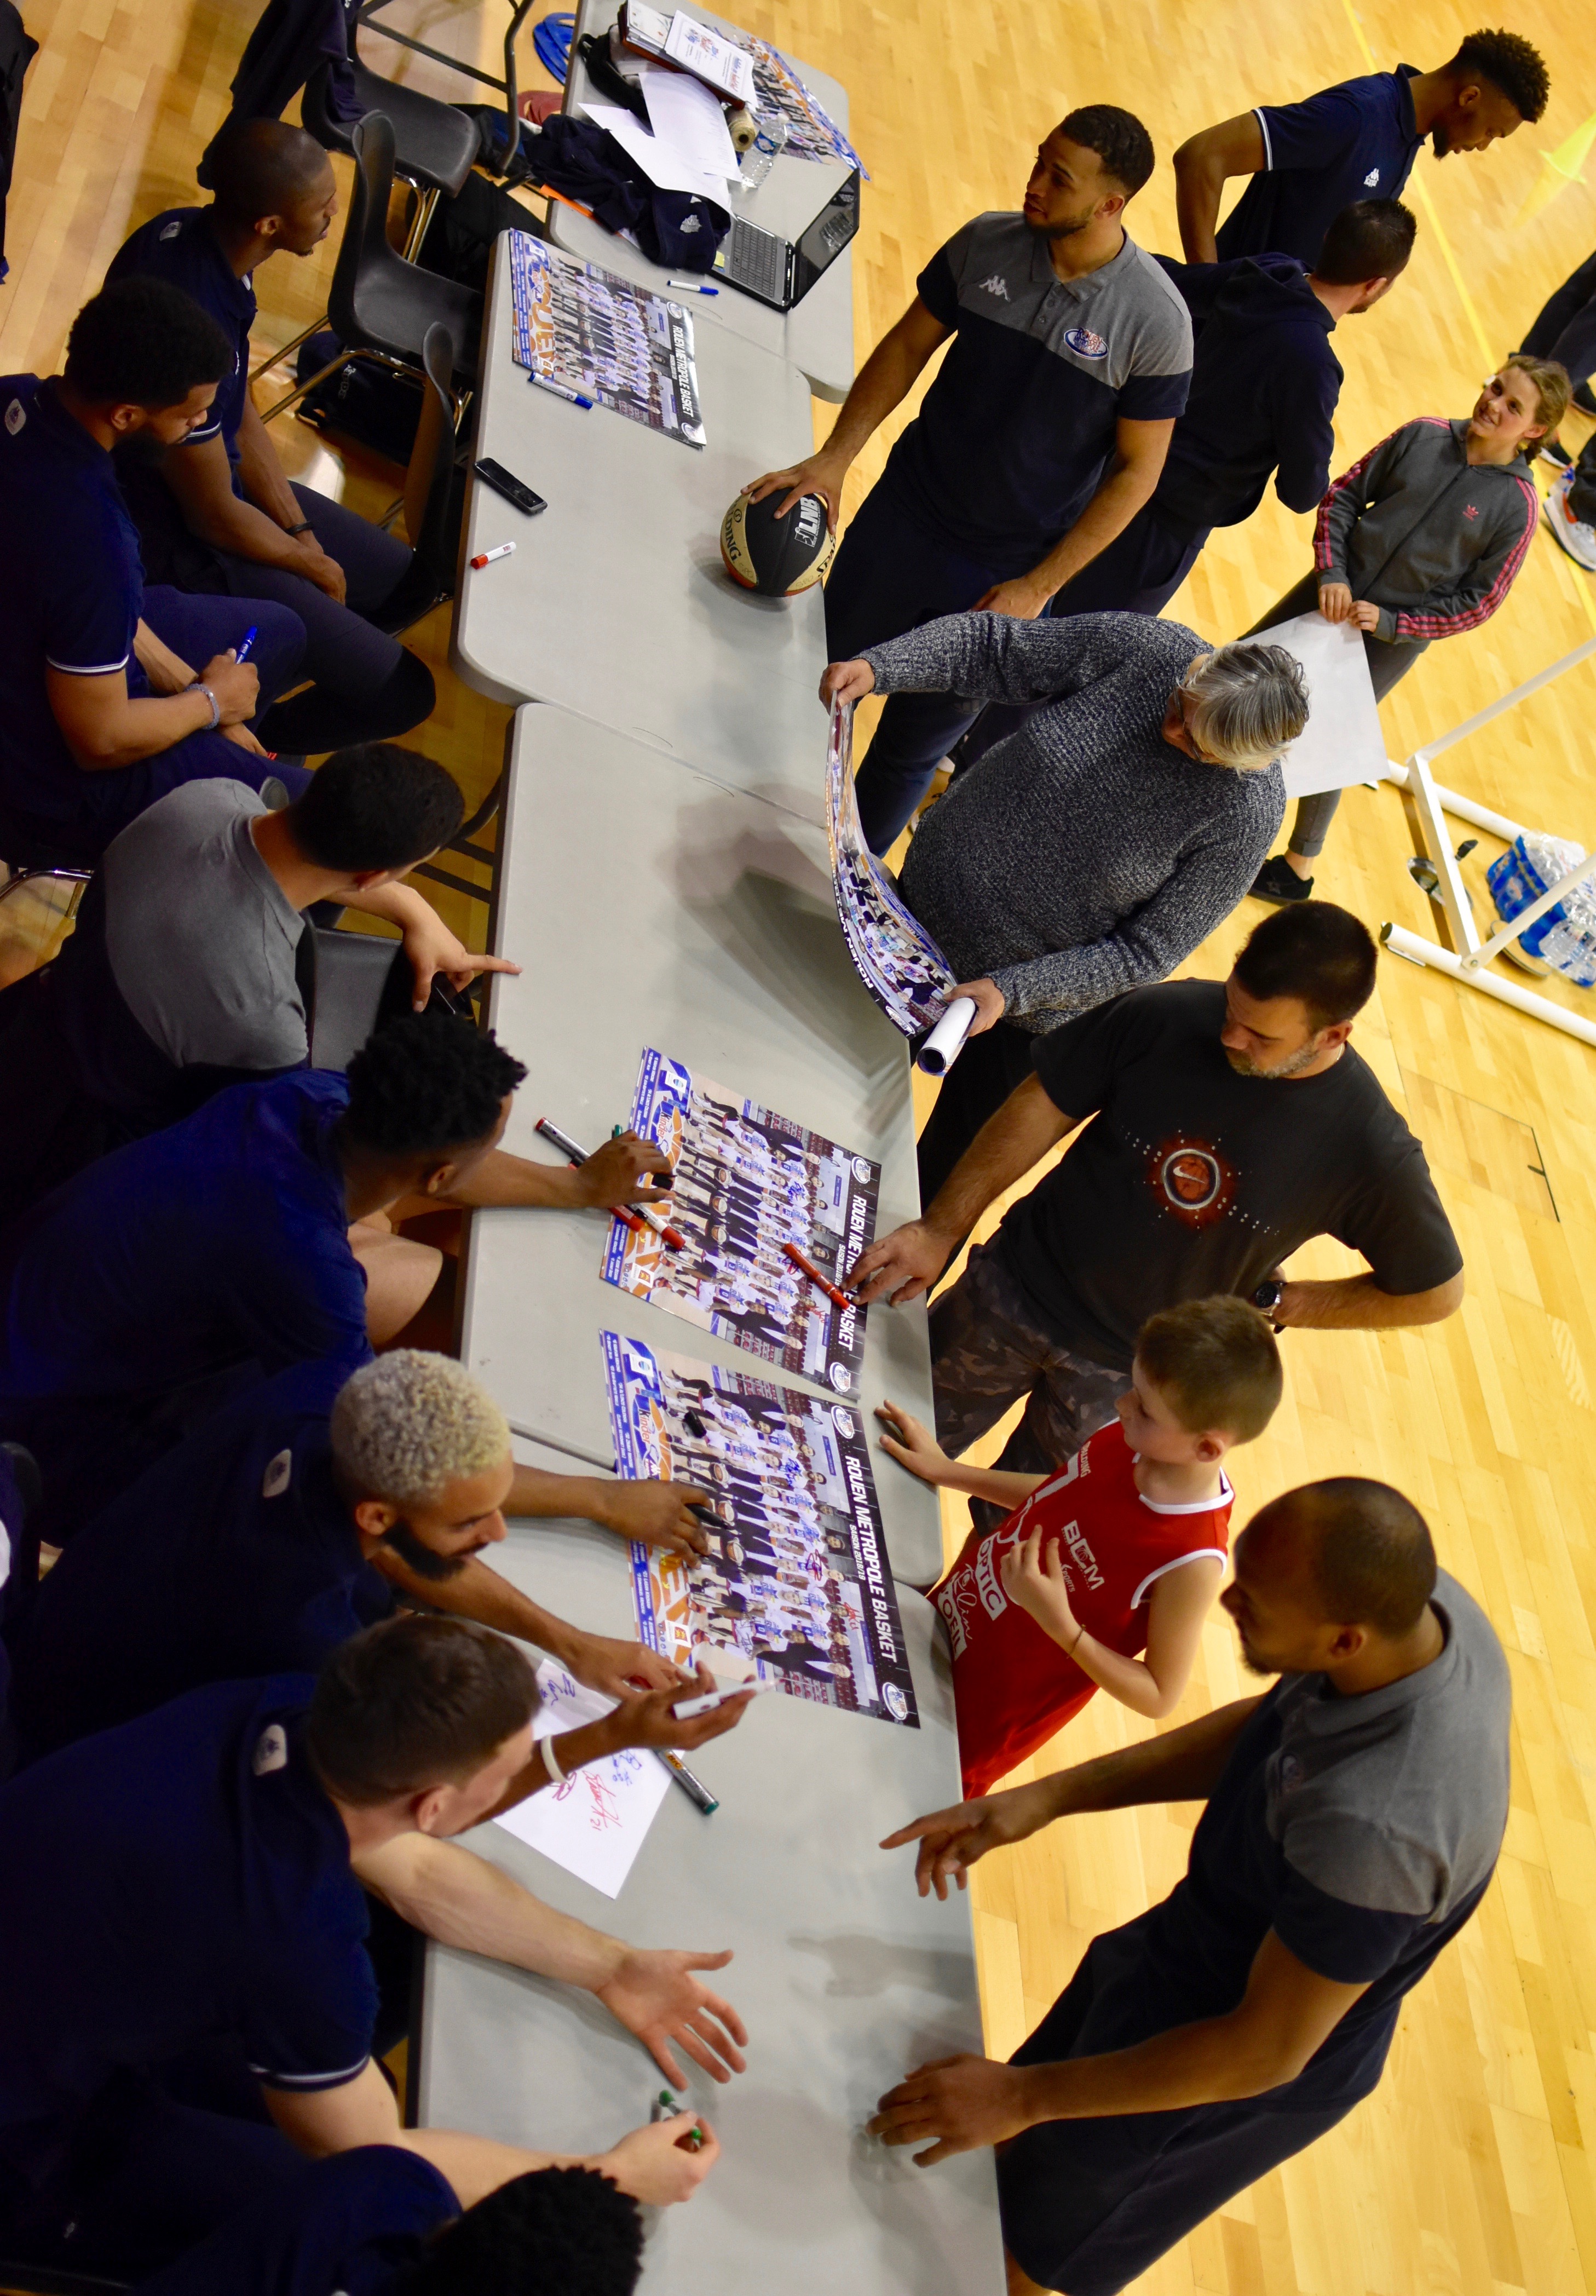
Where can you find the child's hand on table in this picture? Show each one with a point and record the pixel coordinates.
(912, 1444)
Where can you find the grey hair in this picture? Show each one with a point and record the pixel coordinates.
(1252, 702)
(408, 1425)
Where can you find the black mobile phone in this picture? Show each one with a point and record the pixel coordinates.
(513, 489)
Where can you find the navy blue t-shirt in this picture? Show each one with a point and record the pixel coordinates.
(217, 1249)
(1012, 437)
(180, 1881)
(181, 247)
(74, 587)
(353, 2226)
(232, 1556)
(1357, 141)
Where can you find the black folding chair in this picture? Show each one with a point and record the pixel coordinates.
(380, 306)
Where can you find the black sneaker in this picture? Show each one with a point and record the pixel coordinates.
(1278, 881)
(1583, 398)
(1552, 450)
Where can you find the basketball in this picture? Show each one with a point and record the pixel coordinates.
(776, 556)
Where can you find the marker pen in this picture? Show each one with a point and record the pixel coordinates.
(578, 1156)
(487, 557)
(690, 287)
(560, 389)
(713, 1698)
(250, 636)
(696, 1790)
(662, 1228)
(834, 1291)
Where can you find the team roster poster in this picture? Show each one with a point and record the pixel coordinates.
(588, 331)
(747, 1181)
(795, 1578)
(893, 953)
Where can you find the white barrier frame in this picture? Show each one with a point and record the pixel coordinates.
(1469, 957)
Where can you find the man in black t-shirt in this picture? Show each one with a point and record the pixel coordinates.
(1233, 1122)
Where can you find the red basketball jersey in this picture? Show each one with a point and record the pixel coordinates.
(1012, 1684)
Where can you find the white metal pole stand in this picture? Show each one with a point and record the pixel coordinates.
(1469, 957)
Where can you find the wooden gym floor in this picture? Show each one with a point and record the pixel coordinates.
(1469, 2172)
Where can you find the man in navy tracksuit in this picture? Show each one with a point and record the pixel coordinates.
(1264, 382)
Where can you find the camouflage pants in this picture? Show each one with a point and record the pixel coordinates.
(987, 1350)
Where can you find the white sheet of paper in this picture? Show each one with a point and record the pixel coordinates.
(683, 114)
(1342, 742)
(660, 162)
(595, 1824)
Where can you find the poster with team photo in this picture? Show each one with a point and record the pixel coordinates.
(795, 1579)
(894, 957)
(585, 330)
(746, 1182)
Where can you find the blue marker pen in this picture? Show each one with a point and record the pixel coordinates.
(250, 634)
(691, 287)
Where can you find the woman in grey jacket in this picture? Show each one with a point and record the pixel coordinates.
(1421, 539)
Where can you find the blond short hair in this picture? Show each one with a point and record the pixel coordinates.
(408, 1425)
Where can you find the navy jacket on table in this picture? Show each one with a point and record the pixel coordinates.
(170, 1276)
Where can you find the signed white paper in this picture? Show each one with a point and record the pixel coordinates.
(1342, 743)
(595, 1824)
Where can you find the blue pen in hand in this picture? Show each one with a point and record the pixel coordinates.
(250, 636)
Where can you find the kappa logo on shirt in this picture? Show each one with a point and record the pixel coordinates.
(1190, 1179)
(1371, 179)
(996, 285)
(1090, 346)
(278, 1475)
(271, 1751)
(16, 414)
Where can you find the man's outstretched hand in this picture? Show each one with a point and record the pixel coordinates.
(660, 1514)
(956, 2104)
(951, 1841)
(901, 1266)
(657, 1996)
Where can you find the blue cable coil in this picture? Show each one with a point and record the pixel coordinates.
(551, 39)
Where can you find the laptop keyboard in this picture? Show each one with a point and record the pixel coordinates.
(757, 259)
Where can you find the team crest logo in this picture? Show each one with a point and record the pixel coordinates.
(271, 1751)
(1090, 346)
(1371, 179)
(16, 414)
(1192, 1181)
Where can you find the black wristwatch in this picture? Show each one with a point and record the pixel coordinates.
(1269, 1294)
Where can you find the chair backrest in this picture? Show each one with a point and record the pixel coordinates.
(363, 250)
(430, 479)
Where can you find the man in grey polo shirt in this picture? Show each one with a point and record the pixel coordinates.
(1042, 435)
(1355, 1814)
(180, 976)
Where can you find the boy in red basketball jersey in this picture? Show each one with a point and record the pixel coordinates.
(1102, 1576)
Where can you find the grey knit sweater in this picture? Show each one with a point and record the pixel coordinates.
(1085, 854)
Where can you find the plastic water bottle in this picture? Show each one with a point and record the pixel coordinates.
(757, 161)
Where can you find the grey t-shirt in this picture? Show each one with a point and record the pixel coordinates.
(1397, 1800)
(200, 936)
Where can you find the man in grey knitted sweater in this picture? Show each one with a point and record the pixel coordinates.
(1098, 846)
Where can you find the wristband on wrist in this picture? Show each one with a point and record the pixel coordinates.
(303, 528)
(216, 707)
(1076, 1644)
(550, 1761)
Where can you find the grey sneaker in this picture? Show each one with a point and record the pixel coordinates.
(1578, 539)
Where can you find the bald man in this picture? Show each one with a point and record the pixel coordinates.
(1354, 1813)
(219, 513)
